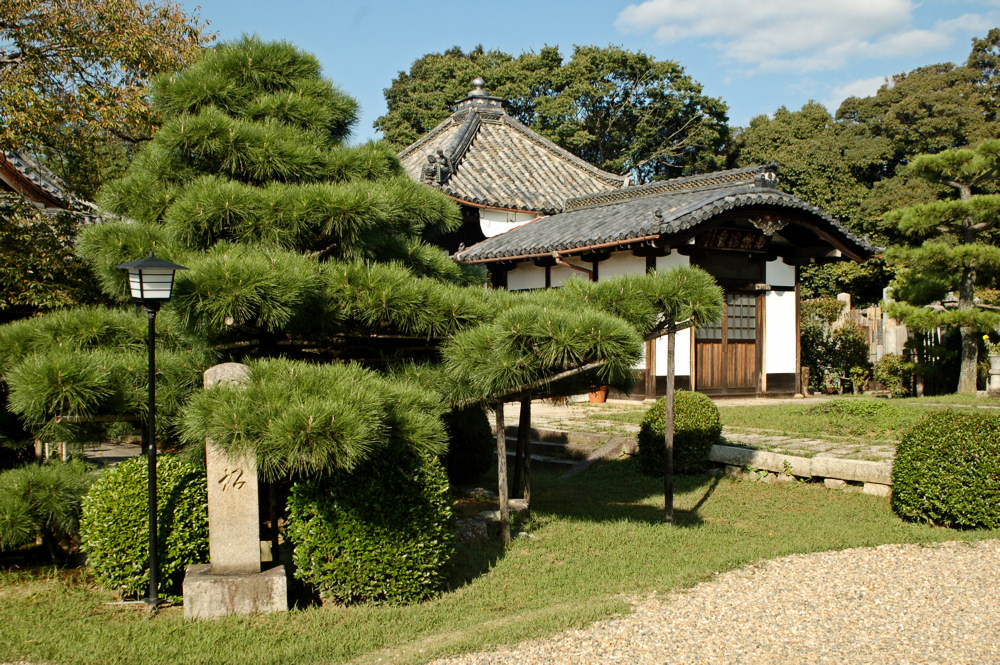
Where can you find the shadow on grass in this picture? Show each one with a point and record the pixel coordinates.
(616, 490)
(610, 491)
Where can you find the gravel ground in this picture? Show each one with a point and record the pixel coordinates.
(893, 604)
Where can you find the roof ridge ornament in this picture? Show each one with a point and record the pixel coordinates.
(478, 98)
(767, 178)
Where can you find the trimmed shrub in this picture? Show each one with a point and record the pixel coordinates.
(893, 374)
(43, 501)
(696, 429)
(471, 444)
(381, 533)
(115, 524)
(947, 471)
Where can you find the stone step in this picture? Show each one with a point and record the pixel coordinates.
(551, 449)
(557, 464)
(588, 439)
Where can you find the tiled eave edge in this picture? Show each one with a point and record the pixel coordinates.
(684, 222)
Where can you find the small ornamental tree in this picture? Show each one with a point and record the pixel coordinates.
(956, 254)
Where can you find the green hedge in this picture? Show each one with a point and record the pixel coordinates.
(947, 471)
(115, 524)
(696, 429)
(380, 533)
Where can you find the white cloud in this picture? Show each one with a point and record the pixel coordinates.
(793, 35)
(860, 88)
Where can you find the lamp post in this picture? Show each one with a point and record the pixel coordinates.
(150, 281)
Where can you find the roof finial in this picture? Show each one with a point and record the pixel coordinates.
(478, 88)
(479, 98)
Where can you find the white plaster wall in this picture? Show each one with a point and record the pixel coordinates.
(682, 354)
(779, 332)
(495, 222)
(779, 273)
(525, 275)
(621, 263)
(562, 274)
(672, 260)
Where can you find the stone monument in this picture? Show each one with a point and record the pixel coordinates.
(232, 582)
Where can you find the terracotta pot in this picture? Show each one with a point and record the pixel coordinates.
(599, 396)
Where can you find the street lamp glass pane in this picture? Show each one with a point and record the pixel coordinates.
(151, 284)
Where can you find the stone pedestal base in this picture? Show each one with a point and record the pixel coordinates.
(208, 594)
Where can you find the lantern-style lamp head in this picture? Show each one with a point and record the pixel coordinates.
(151, 279)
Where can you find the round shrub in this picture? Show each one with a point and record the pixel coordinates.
(947, 471)
(379, 533)
(696, 429)
(115, 524)
(471, 444)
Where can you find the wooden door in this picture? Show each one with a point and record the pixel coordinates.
(726, 351)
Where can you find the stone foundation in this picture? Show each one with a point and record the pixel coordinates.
(208, 594)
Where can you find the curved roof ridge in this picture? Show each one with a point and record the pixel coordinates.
(643, 217)
(715, 179)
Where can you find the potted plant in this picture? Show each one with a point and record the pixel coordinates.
(598, 394)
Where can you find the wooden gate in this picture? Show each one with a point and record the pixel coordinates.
(726, 352)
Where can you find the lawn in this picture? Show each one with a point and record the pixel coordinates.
(597, 540)
(851, 419)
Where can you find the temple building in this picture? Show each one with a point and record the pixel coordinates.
(501, 173)
(735, 224)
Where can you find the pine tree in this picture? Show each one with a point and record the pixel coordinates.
(957, 252)
(299, 249)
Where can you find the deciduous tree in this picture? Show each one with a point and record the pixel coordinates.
(75, 72)
(623, 111)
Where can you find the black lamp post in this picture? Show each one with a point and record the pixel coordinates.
(151, 280)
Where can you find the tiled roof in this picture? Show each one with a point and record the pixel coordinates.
(495, 161)
(664, 208)
(38, 177)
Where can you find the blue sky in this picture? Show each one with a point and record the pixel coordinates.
(757, 55)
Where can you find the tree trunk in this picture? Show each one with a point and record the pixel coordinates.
(524, 439)
(502, 474)
(668, 435)
(970, 342)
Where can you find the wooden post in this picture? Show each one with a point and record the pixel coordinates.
(668, 434)
(502, 474)
(515, 486)
(524, 440)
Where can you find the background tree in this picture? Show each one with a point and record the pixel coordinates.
(854, 164)
(623, 111)
(74, 75)
(40, 271)
(954, 256)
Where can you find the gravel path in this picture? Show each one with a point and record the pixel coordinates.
(892, 604)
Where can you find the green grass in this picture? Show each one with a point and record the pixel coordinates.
(850, 419)
(598, 541)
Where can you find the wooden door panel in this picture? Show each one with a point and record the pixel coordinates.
(710, 370)
(726, 352)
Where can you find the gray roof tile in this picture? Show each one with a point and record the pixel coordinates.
(498, 162)
(665, 208)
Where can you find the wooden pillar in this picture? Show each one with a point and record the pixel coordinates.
(502, 474)
(668, 438)
(524, 441)
(651, 369)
